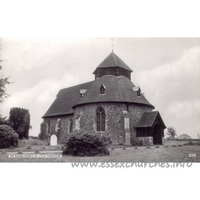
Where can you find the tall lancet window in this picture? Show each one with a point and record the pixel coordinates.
(101, 119)
(71, 125)
(48, 130)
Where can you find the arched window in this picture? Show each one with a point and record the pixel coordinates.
(48, 128)
(71, 125)
(101, 119)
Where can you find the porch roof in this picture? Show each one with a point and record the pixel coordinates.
(148, 119)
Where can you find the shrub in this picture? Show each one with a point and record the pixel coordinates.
(8, 137)
(30, 142)
(85, 144)
(137, 142)
(105, 139)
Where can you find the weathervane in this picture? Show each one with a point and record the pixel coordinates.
(112, 45)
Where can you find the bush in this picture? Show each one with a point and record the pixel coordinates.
(78, 133)
(137, 142)
(29, 142)
(8, 137)
(84, 144)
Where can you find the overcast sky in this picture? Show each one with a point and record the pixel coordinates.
(167, 70)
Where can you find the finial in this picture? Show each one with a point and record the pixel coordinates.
(112, 45)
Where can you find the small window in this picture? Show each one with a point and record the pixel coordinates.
(127, 108)
(82, 92)
(102, 89)
(71, 125)
(48, 130)
(137, 90)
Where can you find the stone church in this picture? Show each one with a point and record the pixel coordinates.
(110, 105)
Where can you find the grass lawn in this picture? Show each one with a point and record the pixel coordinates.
(175, 152)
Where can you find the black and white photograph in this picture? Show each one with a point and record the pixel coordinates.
(99, 99)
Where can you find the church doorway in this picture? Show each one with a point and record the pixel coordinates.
(157, 134)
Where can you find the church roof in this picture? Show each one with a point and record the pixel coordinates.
(118, 89)
(112, 60)
(148, 119)
(66, 99)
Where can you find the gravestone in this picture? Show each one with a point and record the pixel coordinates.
(53, 140)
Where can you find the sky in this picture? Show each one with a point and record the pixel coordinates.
(166, 69)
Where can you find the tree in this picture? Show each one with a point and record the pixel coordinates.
(3, 94)
(3, 83)
(185, 137)
(8, 137)
(20, 121)
(3, 120)
(171, 132)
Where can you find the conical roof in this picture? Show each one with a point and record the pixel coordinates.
(112, 60)
(118, 89)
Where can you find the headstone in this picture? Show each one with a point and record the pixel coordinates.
(53, 140)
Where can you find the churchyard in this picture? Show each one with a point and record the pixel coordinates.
(171, 151)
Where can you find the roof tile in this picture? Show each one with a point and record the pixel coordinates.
(112, 60)
(148, 118)
(118, 89)
(66, 99)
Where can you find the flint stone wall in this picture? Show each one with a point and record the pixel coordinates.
(64, 127)
(85, 118)
(114, 125)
